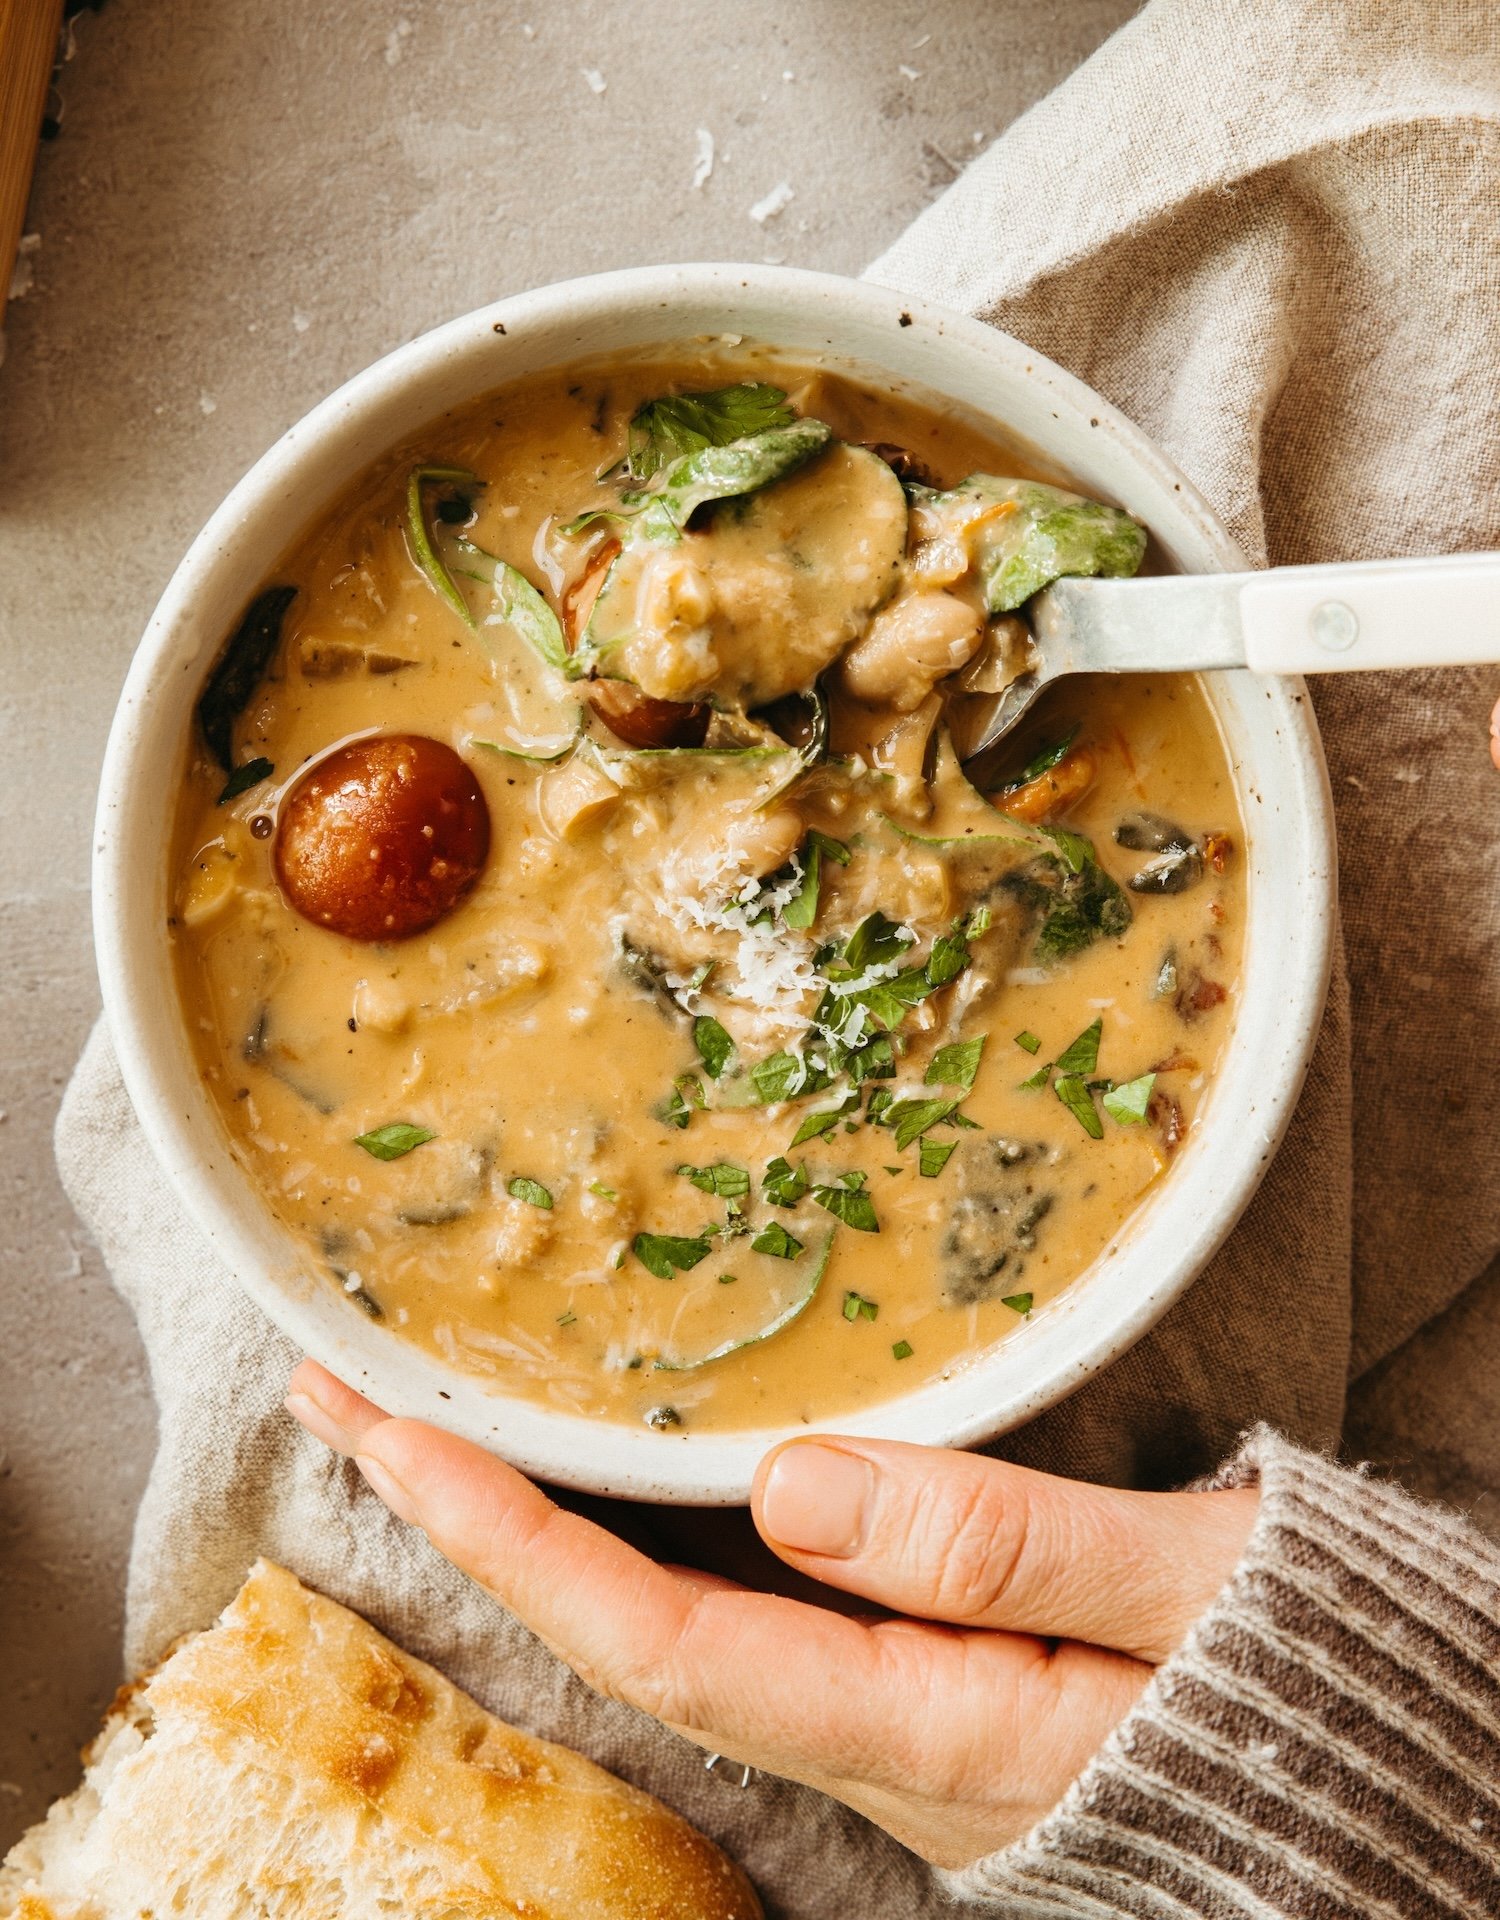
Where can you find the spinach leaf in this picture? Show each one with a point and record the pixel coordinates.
(244, 778)
(784, 1076)
(667, 1253)
(1076, 899)
(1046, 533)
(727, 473)
(239, 670)
(1046, 758)
(391, 1141)
(662, 430)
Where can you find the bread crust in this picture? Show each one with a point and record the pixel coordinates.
(292, 1762)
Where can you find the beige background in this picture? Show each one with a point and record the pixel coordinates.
(245, 206)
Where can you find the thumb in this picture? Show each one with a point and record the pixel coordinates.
(980, 1543)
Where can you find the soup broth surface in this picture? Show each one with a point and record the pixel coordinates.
(648, 1187)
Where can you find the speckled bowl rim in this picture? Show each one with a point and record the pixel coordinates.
(1268, 724)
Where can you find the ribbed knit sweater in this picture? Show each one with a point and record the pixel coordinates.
(1326, 1744)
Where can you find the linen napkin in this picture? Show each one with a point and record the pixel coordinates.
(1267, 233)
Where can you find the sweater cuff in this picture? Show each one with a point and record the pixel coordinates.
(1326, 1743)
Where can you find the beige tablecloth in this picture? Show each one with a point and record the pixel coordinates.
(1268, 232)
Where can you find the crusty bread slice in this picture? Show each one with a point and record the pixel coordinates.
(291, 1764)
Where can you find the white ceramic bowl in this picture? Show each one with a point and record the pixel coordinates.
(871, 332)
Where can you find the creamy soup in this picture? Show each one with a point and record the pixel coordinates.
(602, 961)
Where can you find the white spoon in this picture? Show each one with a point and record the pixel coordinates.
(1326, 619)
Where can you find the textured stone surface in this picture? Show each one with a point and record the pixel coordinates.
(246, 206)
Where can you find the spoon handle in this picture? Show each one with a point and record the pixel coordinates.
(1378, 613)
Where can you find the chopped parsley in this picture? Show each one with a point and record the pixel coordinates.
(1017, 1302)
(667, 1253)
(776, 1241)
(725, 1180)
(1082, 1055)
(390, 1142)
(783, 1183)
(850, 1204)
(875, 942)
(534, 1194)
(902, 1350)
(713, 1043)
(686, 1096)
(956, 1065)
(801, 910)
(912, 1118)
(933, 1156)
(1073, 1090)
(1129, 1102)
(857, 1307)
(604, 1192)
(1027, 1041)
(824, 1120)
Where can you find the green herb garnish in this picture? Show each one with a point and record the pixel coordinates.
(849, 1204)
(663, 430)
(1129, 1102)
(396, 1138)
(239, 670)
(713, 1043)
(680, 1104)
(912, 1118)
(902, 1350)
(531, 1191)
(1073, 1090)
(776, 1241)
(1082, 1055)
(567, 1319)
(857, 1307)
(1045, 759)
(667, 1253)
(802, 909)
(783, 1183)
(604, 1192)
(875, 942)
(955, 1065)
(727, 1182)
(1017, 1302)
(933, 1156)
(824, 1120)
(244, 778)
(1027, 1041)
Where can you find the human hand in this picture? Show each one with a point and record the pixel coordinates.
(1038, 1608)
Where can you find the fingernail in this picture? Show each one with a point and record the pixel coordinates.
(384, 1482)
(322, 1426)
(815, 1499)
